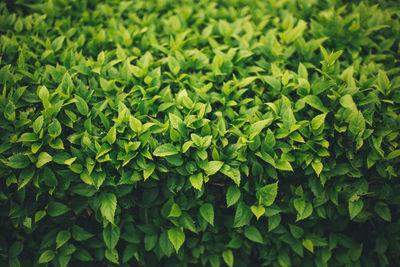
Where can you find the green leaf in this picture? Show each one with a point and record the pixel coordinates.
(54, 128)
(317, 166)
(111, 135)
(111, 236)
(38, 124)
(56, 209)
(46, 256)
(299, 205)
(177, 238)
(79, 234)
(258, 211)
(62, 238)
(212, 167)
(383, 211)
(232, 195)
(196, 180)
(393, 154)
(243, 215)
(257, 127)
(165, 244)
(25, 176)
(252, 233)
(18, 161)
(227, 255)
(43, 159)
(175, 211)
(108, 206)
(308, 244)
(355, 208)
(267, 194)
(207, 212)
(357, 124)
(318, 121)
(383, 82)
(81, 105)
(165, 150)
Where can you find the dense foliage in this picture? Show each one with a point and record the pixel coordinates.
(209, 133)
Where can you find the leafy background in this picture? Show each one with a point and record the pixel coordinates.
(209, 133)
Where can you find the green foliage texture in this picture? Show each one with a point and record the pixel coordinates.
(199, 133)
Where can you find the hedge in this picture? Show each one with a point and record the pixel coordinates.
(199, 133)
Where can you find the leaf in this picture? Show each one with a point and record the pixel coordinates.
(18, 161)
(165, 150)
(43, 159)
(383, 82)
(232, 173)
(257, 127)
(81, 105)
(243, 215)
(38, 124)
(25, 177)
(196, 180)
(258, 211)
(393, 154)
(318, 121)
(212, 167)
(62, 238)
(54, 128)
(355, 208)
(111, 236)
(299, 205)
(177, 238)
(175, 211)
(357, 124)
(227, 255)
(46, 256)
(111, 135)
(79, 234)
(232, 195)
(165, 244)
(267, 194)
(207, 212)
(108, 206)
(56, 209)
(252, 233)
(382, 209)
(317, 166)
(308, 244)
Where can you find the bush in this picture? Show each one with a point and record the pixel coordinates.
(204, 133)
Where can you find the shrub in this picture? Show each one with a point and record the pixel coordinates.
(205, 133)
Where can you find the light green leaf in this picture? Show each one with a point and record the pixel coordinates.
(196, 180)
(258, 211)
(165, 150)
(212, 167)
(177, 238)
(257, 127)
(227, 255)
(43, 158)
(318, 121)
